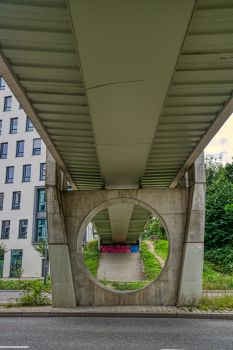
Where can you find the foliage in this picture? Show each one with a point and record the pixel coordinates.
(34, 294)
(161, 248)
(40, 248)
(222, 302)
(92, 246)
(155, 228)
(15, 285)
(219, 214)
(3, 249)
(213, 279)
(151, 265)
(91, 257)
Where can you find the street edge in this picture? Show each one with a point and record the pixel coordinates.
(225, 316)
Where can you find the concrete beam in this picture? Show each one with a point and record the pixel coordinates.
(215, 126)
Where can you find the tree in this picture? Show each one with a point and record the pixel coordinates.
(40, 248)
(3, 249)
(219, 213)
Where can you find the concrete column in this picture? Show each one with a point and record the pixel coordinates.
(140, 244)
(60, 267)
(99, 243)
(193, 250)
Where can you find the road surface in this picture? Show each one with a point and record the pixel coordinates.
(114, 333)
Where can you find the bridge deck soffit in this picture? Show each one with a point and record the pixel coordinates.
(97, 81)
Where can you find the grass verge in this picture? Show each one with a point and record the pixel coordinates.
(151, 265)
(161, 249)
(220, 303)
(124, 285)
(92, 261)
(18, 285)
(215, 280)
(92, 256)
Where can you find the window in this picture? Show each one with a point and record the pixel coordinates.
(36, 146)
(26, 173)
(23, 228)
(41, 201)
(3, 152)
(0, 127)
(16, 200)
(5, 229)
(20, 107)
(16, 263)
(7, 103)
(42, 171)
(1, 200)
(14, 126)
(20, 149)
(29, 125)
(2, 83)
(69, 188)
(9, 174)
(41, 229)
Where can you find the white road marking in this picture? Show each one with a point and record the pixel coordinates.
(14, 347)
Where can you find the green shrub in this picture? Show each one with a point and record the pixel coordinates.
(222, 257)
(92, 246)
(34, 294)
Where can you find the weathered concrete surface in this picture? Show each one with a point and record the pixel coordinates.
(192, 261)
(121, 267)
(61, 276)
(170, 205)
(181, 211)
(60, 268)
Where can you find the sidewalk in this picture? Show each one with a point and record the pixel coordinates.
(142, 311)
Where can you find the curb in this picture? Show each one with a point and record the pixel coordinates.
(222, 316)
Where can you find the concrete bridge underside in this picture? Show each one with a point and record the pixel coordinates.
(125, 95)
(181, 211)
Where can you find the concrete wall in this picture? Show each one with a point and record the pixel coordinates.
(68, 216)
(170, 205)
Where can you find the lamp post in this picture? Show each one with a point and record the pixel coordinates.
(45, 258)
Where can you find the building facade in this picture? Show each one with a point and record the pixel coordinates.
(22, 189)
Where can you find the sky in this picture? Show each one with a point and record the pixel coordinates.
(222, 142)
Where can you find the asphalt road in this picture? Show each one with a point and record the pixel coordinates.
(114, 333)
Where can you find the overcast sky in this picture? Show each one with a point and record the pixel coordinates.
(222, 142)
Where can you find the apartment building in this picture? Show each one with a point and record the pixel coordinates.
(22, 190)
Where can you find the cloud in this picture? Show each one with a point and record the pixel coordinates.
(222, 143)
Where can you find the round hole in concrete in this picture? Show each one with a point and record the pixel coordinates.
(123, 245)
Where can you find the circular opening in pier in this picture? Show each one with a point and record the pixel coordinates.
(125, 245)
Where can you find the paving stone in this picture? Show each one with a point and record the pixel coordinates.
(121, 267)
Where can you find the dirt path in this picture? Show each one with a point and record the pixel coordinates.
(151, 249)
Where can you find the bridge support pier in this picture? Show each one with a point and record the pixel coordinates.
(69, 212)
(193, 251)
